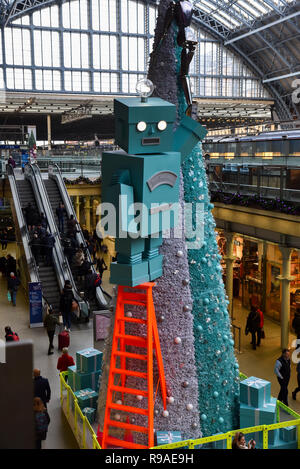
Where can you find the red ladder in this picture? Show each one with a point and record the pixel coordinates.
(133, 296)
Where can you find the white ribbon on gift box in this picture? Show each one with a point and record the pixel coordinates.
(168, 438)
(254, 383)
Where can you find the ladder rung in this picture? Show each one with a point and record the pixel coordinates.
(133, 340)
(128, 426)
(124, 444)
(137, 374)
(136, 356)
(125, 390)
(134, 302)
(125, 408)
(136, 320)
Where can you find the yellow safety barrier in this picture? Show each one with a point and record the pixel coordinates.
(87, 438)
(80, 425)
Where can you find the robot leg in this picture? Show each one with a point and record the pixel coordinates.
(130, 269)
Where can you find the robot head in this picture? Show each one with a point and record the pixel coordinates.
(144, 127)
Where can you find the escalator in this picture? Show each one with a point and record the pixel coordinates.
(58, 193)
(22, 193)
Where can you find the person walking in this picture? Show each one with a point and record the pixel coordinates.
(60, 213)
(283, 373)
(10, 336)
(65, 360)
(41, 420)
(13, 283)
(4, 239)
(71, 226)
(252, 326)
(65, 304)
(41, 387)
(50, 322)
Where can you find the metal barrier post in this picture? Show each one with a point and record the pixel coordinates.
(277, 413)
(265, 437)
(191, 444)
(229, 441)
(68, 402)
(75, 418)
(298, 436)
(84, 432)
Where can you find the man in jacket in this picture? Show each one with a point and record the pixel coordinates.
(49, 245)
(60, 213)
(252, 326)
(12, 286)
(283, 373)
(261, 325)
(50, 322)
(41, 387)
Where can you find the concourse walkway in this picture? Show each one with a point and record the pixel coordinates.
(259, 362)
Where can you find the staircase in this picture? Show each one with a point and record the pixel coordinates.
(120, 368)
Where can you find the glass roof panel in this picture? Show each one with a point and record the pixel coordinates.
(234, 13)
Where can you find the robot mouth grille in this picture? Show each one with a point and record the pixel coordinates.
(151, 141)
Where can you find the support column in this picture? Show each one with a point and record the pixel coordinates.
(264, 276)
(87, 212)
(285, 279)
(77, 207)
(229, 259)
(49, 130)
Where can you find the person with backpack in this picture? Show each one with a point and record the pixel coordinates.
(253, 326)
(42, 420)
(65, 304)
(10, 336)
(13, 284)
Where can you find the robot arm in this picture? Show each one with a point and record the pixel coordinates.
(187, 135)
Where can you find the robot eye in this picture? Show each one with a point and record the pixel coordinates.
(162, 125)
(141, 126)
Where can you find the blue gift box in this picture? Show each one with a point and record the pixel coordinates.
(288, 434)
(88, 360)
(167, 437)
(90, 414)
(264, 415)
(87, 398)
(79, 380)
(255, 392)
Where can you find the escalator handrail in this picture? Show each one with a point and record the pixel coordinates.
(70, 210)
(60, 265)
(33, 271)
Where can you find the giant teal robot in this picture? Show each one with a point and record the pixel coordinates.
(141, 181)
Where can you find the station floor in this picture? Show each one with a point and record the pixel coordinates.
(259, 362)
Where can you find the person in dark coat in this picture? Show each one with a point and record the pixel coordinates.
(50, 322)
(283, 373)
(296, 326)
(35, 245)
(60, 213)
(65, 304)
(43, 221)
(4, 238)
(101, 266)
(11, 265)
(13, 284)
(11, 161)
(71, 226)
(294, 393)
(41, 387)
(42, 420)
(253, 326)
(49, 242)
(28, 213)
(89, 285)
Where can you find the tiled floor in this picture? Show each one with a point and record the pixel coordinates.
(259, 362)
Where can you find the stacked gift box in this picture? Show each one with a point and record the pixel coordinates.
(257, 407)
(84, 379)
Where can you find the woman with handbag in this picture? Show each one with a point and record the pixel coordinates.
(66, 304)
